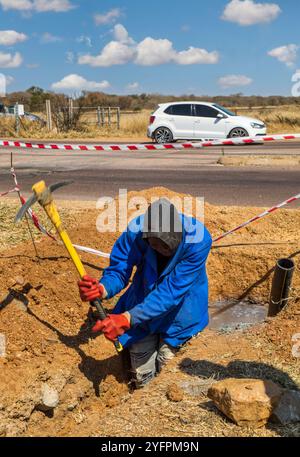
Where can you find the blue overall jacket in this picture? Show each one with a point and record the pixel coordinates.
(174, 305)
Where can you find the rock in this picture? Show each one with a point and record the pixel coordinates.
(288, 409)
(72, 404)
(23, 407)
(50, 398)
(59, 380)
(246, 401)
(197, 387)
(175, 393)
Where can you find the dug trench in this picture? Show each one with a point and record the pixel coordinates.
(50, 348)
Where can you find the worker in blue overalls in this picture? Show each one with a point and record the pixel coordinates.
(167, 302)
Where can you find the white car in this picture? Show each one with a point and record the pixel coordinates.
(200, 121)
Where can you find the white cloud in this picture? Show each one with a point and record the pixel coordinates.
(121, 34)
(154, 52)
(234, 81)
(49, 38)
(11, 37)
(39, 6)
(107, 18)
(285, 54)
(85, 40)
(196, 56)
(114, 53)
(75, 82)
(133, 86)
(10, 60)
(248, 12)
(52, 5)
(157, 52)
(21, 5)
(123, 49)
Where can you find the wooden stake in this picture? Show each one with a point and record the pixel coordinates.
(49, 115)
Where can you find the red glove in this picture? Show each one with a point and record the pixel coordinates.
(113, 326)
(90, 289)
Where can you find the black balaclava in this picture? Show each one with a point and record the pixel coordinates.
(162, 221)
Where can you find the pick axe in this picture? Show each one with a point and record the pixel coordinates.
(43, 195)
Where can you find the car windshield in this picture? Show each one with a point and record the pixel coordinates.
(226, 111)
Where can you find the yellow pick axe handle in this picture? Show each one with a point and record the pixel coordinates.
(40, 189)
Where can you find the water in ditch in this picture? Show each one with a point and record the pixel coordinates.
(230, 315)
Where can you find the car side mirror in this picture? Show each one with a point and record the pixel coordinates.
(221, 116)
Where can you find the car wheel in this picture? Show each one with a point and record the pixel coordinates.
(163, 135)
(238, 132)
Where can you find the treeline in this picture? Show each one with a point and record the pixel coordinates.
(34, 100)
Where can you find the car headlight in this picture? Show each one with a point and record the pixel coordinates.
(255, 125)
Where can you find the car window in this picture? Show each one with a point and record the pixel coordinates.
(205, 111)
(225, 110)
(179, 110)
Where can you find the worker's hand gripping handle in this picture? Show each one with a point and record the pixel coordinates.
(102, 315)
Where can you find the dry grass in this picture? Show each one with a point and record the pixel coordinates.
(12, 235)
(135, 124)
(280, 120)
(132, 125)
(285, 119)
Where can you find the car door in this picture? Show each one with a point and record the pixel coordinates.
(207, 124)
(182, 120)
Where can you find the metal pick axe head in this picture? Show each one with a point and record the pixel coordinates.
(42, 198)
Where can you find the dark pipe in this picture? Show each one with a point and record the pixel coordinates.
(282, 281)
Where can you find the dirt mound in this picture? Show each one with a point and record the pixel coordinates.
(48, 339)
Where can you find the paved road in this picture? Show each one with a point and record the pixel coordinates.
(195, 172)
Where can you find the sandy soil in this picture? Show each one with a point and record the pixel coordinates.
(42, 319)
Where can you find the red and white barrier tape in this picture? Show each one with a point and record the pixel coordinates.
(9, 192)
(149, 147)
(260, 216)
(92, 251)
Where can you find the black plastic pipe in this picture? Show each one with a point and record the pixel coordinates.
(281, 285)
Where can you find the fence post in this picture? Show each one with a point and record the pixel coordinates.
(103, 117)
(17, 118)
(71, 108)
(109, 116)
(49, 115)
(98, 116)
(118, 118)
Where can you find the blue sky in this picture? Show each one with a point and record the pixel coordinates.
(165, 46)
